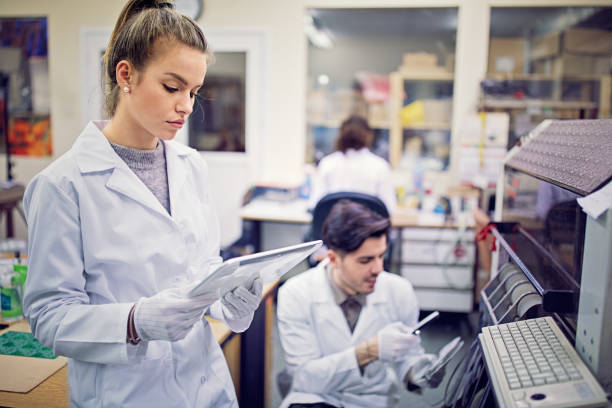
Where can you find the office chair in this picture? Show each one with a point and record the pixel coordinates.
(324, 205)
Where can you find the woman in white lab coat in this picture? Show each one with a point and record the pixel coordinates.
(353, 167)
(122, 225)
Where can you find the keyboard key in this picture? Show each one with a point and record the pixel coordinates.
(551, 379)
(558, 370)
(575, 376)
(500, 347)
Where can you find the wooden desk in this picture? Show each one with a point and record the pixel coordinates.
(51, 393)
(256, 353)
(10, 198)
(254, 344)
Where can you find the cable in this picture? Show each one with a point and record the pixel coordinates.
(445, 264)
(472, 371)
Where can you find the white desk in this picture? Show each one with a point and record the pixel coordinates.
(277, 223)
(296, 212)
(293, 211)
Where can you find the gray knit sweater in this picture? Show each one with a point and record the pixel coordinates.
(150, 167)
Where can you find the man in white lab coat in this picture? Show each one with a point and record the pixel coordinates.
(345, 324)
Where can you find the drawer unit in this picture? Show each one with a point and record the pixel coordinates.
(437, 252)
(437, 234)
(445, 300)
(439, 263)
(439, 276)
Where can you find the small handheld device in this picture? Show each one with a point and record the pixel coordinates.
(427, 319)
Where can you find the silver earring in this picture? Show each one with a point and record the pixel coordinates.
(126, 90)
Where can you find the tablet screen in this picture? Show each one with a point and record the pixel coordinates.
(269, 265)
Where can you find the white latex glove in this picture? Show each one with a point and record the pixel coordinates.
(242, 301)
(421, 375)
(395, 340)
(170, 314)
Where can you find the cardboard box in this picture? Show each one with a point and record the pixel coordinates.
(437, 110)
(545, 46)
(419, 60)
(506, 55)
(575, 51)
(573, 64)
(587, 41)
(378, 114)
(449, 63)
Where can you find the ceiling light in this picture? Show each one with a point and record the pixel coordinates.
(317, 37)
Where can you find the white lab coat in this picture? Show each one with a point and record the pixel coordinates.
(320, 348)
(98, 241)
(356, 170)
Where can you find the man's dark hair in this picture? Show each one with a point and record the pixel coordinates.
(349, 224)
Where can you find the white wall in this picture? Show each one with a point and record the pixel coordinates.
(64, 20)
(281, 148)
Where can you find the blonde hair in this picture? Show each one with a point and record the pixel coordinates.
(140, 24)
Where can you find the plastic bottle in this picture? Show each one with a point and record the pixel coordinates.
(12, 280)
(304, 191)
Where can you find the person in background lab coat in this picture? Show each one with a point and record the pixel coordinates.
(345, 324)
(353, 167)
(122, 225)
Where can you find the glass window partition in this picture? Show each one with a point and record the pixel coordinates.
(217, 122)
(393, 66)
(548, 63)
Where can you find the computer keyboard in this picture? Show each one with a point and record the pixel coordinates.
(532, 364)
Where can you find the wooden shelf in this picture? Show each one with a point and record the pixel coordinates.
(385, 125)
(424, 76)
(429, 126)
(543, 77)
(603, 105)
(536, 103)
(332, 124)
(396, 82)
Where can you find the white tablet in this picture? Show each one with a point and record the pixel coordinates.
(269, 265)
(445, 355)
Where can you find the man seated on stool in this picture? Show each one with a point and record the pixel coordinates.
(345, 324)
